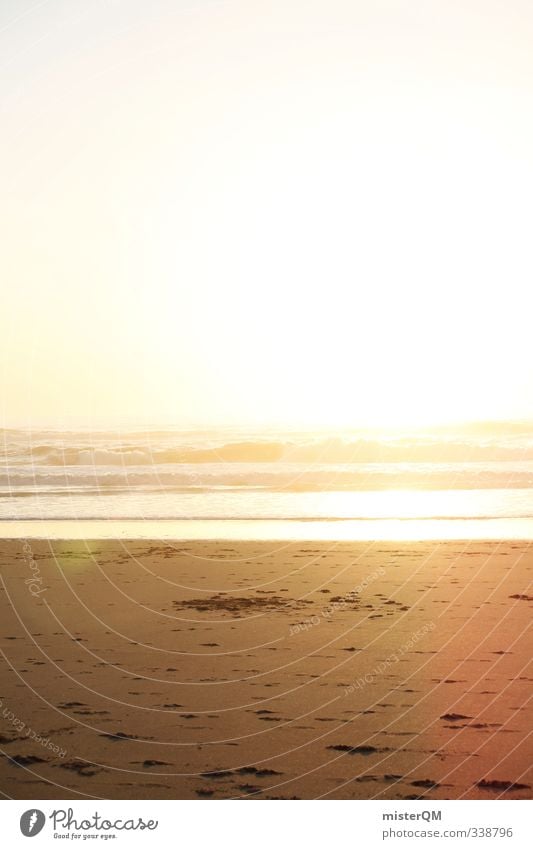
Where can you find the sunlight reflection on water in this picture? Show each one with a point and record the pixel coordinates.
(267, 529)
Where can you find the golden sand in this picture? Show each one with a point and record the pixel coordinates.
(266, 670)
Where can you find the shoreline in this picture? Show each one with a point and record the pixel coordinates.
(210, 670)
(249, 530)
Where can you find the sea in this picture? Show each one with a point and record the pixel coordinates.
(471, 482)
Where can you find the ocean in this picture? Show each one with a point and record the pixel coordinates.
(475, 481)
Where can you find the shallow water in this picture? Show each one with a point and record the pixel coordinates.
(243, 485)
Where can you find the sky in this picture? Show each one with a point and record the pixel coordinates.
(270, 213)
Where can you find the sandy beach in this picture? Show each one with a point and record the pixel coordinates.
(208, 670)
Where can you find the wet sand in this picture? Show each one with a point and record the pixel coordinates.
(212, 670)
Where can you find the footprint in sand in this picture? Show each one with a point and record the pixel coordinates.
(454, 717)
(259, 773)
(25, 760)
(498, 786)
(356, 750)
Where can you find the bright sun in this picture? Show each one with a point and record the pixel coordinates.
(283, 235)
